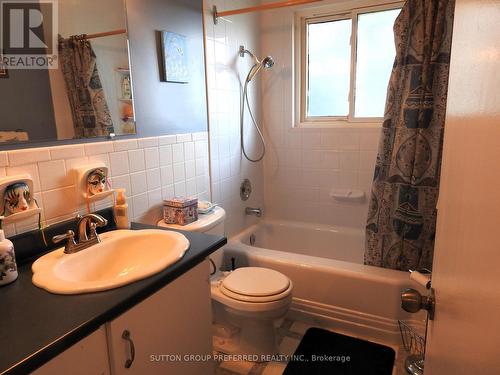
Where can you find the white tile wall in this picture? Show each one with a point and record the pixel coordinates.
(299, 179)
(134, 165)
(225, 71)
(136, 160)
(304, 165)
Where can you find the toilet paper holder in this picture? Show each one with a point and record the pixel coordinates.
(422, 277)
(411, 299)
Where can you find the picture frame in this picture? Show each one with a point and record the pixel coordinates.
(174, 64)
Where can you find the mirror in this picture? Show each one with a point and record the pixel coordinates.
(90, 93)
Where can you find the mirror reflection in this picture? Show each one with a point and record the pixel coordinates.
(89, 95)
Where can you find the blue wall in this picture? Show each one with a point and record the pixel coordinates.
(163, 107)
(25, 99)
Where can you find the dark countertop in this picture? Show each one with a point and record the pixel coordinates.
(36, 325)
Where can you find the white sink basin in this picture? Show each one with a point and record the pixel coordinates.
(122, 257)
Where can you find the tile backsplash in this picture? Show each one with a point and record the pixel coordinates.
(150, 170)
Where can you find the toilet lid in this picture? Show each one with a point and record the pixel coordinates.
(256, 281)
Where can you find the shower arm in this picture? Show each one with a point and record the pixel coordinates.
(243, 51)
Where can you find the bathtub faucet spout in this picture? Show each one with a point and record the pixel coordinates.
(254, 211)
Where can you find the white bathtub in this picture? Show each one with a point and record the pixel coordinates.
(331, 284)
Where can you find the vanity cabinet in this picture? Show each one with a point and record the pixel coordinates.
(159, 335)
(88, 356)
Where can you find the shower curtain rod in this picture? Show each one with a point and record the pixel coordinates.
(100, 35)
(106, 33)
(217, 14)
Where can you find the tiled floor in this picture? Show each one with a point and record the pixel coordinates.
(290, 333)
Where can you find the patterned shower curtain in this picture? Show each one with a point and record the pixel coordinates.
(91, 117)
(402, 214)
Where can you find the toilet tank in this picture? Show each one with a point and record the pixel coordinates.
(219, 229)
(211, 223)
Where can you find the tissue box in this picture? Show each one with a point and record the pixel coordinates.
(180, 210)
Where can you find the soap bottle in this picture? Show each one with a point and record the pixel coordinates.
(126, 88)
(8, 267)
(121, 210)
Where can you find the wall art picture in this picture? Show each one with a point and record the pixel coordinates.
(174, 57)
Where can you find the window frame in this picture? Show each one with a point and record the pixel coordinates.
(326, 14)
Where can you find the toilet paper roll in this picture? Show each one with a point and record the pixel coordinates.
(424, 280)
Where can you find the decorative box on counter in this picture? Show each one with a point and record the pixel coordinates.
(180, 210)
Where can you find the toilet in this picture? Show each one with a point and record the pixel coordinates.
(251, 299)
(246, 302)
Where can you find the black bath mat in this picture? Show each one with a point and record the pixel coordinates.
(322, 352)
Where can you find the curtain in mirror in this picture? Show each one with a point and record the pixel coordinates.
(91, 116)
(402, 214)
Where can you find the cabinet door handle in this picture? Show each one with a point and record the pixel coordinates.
(126, 337)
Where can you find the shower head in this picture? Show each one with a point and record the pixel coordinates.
(267, 63)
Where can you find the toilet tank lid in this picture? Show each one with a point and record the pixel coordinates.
(204, 223)
(256, 281)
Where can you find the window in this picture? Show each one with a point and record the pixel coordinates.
(345, 62)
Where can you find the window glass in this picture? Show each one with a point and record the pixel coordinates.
(329, 67)
(374, 60)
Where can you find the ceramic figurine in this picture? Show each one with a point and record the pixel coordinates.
(96, 181)
(17, 198)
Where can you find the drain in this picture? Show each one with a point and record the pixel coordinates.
(252, 239)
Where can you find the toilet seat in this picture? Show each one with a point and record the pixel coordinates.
(256, 281)
(253, 299)
(256, 284)
(262, 308)
(276, 295)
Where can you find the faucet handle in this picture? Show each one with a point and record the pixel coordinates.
(69, 236)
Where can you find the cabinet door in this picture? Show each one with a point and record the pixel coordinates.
(88, 356)
(166, 328)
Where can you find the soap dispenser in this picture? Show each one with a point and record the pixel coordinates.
(8, 267)
(121, 210)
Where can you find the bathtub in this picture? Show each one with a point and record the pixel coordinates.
(331, 284)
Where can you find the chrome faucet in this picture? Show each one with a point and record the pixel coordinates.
(254, 211)
(87, 233)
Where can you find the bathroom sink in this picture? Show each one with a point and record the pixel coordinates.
(122, 257)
